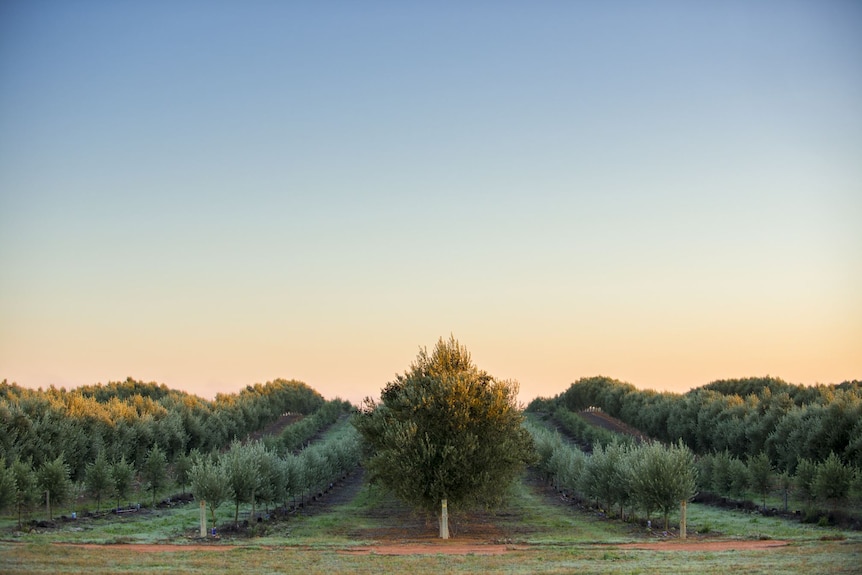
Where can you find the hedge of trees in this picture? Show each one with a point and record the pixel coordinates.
(54, 443)
(254, 474)
(787, 422)
(752, 436)
(825, 484)
(126, 419)
(296, 435)
(586, 434)
(650, 477)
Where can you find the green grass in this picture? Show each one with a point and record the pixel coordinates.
(741, 524)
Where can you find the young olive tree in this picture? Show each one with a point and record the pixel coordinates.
(98, 478)
(155, 470)
(209, 483)
(241, 469)
(53, 480)
(806, 472)
(8, 486)
(26, 491)
(445, 433)
(663, 477)
(832, 481)
(760, 473)
(122, 474)
(183, 463)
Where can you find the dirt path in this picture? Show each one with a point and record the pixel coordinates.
(605, 421)
(450, 547)
(276, 427)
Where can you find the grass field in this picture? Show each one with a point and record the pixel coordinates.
(535, 533)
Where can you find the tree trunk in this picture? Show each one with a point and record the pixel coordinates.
(682, 519)
(203, 518)
(48, 503)
(444, 520)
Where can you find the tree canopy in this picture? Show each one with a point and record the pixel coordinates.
(445, 431)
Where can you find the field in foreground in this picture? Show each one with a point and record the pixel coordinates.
(365, 531)
(806, 557)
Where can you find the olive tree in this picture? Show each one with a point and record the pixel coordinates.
(122, 473)
(182, 468)
(760, 473)
(209, 483)
(53, 480)
(26, 491)
(8, 486)
(832, 480)
(663, 477)
(155, 470)
(97, 478)
(241, 468)
(445, 433)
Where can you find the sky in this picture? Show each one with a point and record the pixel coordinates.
(214, 194)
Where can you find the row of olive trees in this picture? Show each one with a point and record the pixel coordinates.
(258, 476)
(650, 477)
(584, 433)
(296, 435)
(52, 483)
(787, 422)
(23, 487)
(127, 419)
(830, 482)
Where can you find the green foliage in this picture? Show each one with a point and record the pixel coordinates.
(294, 436)
(445, 430)
(746, 416)
(155, 471)
(98, 479)
(182, 469)
(832, 480)
(26, 489)
(760, 472)
(240, 465)
(585, 433)
(739, 478)
(122, 474)
(126, 419)
(607, 476)
(806, 472)
(209, 484)
(663, 476)
(8, 487)
(649, 476)
(53, 480)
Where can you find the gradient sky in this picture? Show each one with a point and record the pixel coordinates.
(213, 194)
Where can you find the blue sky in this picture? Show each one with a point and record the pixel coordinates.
(213, 194)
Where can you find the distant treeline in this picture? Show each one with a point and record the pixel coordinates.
(124, 420)
(741, 417)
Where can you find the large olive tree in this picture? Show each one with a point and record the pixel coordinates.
(445, 433)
